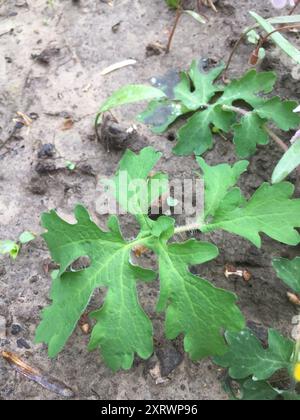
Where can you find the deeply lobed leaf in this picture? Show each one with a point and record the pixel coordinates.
(123, 328)
(271, 209)
(246, 356)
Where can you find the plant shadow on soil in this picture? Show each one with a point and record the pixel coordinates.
(76, 43)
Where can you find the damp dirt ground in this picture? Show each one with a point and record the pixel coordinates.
(77, 41)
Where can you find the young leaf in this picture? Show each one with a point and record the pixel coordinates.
(289, 272)
(161, 114)
(248, 87)
(249, 133)
(196, 135)
(271, 210)
(203, 83)
(174, 4)
(218, 181)
(26, 237)
(251, 390)
(133, 169)
(193, 306)
(281, 112)
(247, 357)
(257, 391)
(130, 94)
(289, 162)
(122, 328)
(9, 247)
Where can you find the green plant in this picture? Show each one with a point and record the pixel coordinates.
(214, 109)
(12, 248)
(193, 306)
(261, 373)
(265, 373)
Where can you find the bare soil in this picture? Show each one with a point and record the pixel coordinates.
(50, 63)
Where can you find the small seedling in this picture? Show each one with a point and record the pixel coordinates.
(70, 165)
(13, 248)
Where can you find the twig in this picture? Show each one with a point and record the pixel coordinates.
(260, 44)
(294, 8)
(281, 29)
(11, 135)
(275, 138)
(7, 32)
(211, 3)
(237, 44)
(178, 16)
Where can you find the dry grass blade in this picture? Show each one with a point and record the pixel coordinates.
(37, 376)
(117, 66)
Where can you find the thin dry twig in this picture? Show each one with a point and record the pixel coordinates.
(177, 18)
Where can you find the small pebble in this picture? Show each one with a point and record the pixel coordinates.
(46, 151)
(22, 344)
(16, 329)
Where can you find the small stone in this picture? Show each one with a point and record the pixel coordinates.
(169, 358)
(16, 329)
(46, 151)
(22, 344)
(46, 56)
(2, 327)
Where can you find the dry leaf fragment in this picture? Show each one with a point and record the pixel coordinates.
(37, 376)
(140, 250)
(294, 299)
(118, 66)
(67, 124)
(23, 119)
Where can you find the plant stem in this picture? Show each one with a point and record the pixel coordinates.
(295, 7)
(281, 29)
(275, 138)
(237, 44)
(187, 228)
(267, 129)
(178, 16)
(261, 42)
(235, 109)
